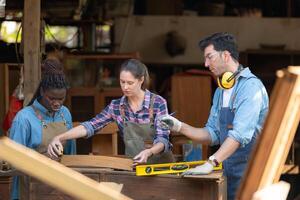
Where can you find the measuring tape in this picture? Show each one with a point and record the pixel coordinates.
(169, 168)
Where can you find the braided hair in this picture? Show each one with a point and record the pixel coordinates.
(53, 77)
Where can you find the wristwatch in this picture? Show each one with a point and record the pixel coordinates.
(213, 160)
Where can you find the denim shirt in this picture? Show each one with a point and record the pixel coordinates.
(249, 102)
(26, 128)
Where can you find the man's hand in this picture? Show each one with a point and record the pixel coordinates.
(167, 121)
(55, 148)
(142, 157)
(206, 168)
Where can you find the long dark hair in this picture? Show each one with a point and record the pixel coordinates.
(53, 77)
(138, 70)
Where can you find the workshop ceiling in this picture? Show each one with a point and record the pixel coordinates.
(101, 10)
(69, 10)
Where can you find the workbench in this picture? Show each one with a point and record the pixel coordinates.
(206, 187)
(5, 187)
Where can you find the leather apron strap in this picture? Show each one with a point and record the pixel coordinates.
(138, 137)
(49, 130)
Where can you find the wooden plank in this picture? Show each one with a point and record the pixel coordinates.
(115, 186)
(272, 147)
(32, 56)
(53, 173)
(185, 101)
(278, 191)
(97, 161)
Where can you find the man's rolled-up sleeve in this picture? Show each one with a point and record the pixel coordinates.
(162, 135)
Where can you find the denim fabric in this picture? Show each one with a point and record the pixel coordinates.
(242, 121)
(27, 130)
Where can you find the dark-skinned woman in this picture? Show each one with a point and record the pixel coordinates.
(44, 117)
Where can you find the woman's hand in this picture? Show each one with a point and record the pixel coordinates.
(142, 157)
(55, 148)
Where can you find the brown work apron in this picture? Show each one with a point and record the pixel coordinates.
(138, 137)
(49, 131)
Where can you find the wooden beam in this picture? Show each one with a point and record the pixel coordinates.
(54, 174)
(271, 150)
(278, 191)
(97, 161)
(32, 56)
(2, 94)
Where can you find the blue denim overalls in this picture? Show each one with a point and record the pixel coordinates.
(235, 165)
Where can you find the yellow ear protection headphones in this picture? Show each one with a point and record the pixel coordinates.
(227, 79)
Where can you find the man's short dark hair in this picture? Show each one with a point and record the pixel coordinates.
(221, 41)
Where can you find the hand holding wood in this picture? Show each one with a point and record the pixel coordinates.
(55, 148)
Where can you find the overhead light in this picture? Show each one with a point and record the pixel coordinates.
(2, 8)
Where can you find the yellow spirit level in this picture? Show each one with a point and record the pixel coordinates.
(168, 168)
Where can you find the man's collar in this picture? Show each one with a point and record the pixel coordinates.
(245, 72)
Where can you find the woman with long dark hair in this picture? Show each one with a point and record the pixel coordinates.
(136, 113)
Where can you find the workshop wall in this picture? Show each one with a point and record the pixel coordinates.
(147, 34)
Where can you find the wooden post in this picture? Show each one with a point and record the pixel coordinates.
(271, 150)
(32, 56)
(2, 94)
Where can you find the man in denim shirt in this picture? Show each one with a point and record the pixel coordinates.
(240, 106)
